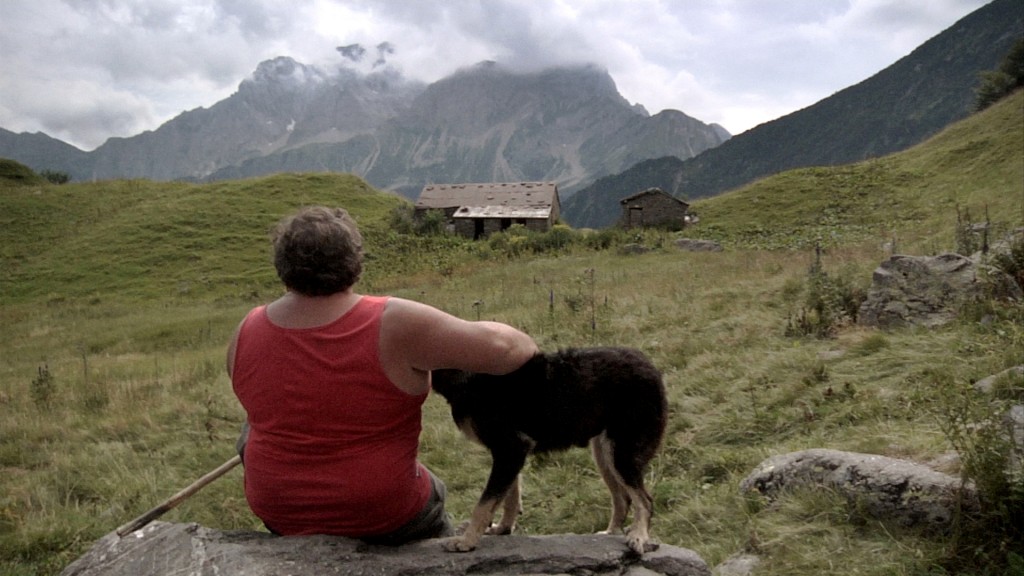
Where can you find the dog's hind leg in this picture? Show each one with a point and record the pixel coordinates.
(631, 473)
(639, 536)
(601, 448)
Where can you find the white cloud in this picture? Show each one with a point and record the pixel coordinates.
(85, 71)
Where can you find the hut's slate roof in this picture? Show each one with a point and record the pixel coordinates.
(492, 200)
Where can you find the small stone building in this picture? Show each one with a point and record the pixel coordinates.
(478, 210)
(654, 207)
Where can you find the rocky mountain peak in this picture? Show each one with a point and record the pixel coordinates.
(488, 93)
(284, 72)
(585, 82)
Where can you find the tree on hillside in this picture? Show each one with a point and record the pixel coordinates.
(995, 84)
(55, 176)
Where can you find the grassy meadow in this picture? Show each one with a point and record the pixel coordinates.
(117, 300)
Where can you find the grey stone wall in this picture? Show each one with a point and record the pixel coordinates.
(654, 210)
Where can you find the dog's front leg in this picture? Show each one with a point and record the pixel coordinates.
(511, 507)
(475, 528)
(508, 457)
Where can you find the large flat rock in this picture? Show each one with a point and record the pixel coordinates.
(163, 548)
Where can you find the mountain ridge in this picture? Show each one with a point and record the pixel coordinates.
(895, 108)
(484, 122)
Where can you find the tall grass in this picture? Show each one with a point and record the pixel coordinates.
(113, 394)
(140, 407)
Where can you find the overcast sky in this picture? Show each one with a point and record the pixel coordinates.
(85, 70)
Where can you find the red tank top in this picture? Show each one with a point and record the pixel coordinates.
(333, 442)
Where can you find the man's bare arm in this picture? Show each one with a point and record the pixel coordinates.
(430, 339)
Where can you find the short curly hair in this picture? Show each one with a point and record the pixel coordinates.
(318, 251)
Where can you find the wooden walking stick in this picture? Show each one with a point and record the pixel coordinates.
(179, 497)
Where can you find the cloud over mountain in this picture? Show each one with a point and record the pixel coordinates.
(132, 65)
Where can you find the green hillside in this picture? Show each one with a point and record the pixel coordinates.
(12, 172)
(141, 239)
(145, 239)
(911, 197)
(117, 300)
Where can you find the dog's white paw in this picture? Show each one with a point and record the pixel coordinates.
(499, 530)
(457, 544)
(641, 544)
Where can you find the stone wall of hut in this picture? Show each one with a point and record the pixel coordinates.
(468, 226)
(653, 210)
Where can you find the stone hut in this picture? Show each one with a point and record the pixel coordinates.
(478, 210)
(654, 207)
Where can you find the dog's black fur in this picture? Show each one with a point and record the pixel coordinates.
(611, 398)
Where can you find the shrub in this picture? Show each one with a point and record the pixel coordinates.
(43, 387)
(977, 428)
(559, 237)
(1012, 261)
(511, 242)
(517, 240)
(996, 84)
(431, 223)
(55, 177)
(404, 220)
(400, 219)
(603, 239)
(969, 238)
(829, 303)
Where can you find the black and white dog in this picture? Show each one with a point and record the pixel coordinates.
(611, 398)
